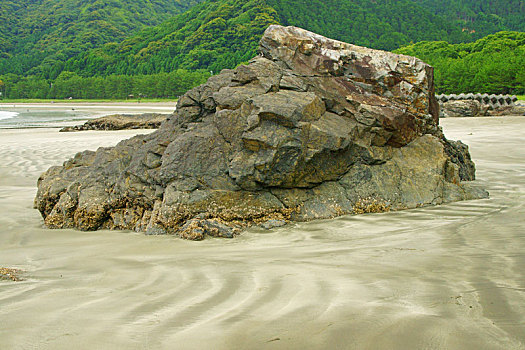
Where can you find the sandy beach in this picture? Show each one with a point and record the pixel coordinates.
(102, 108)
(89, 105)
(58, 115)
(445, 277)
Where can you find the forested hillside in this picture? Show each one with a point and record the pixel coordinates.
(39, 33)
(219, 34)
(9, 18)
(211, 36)
(494, 64)
(214, 35)
(480, 17)
(380, 24)
(387, 24)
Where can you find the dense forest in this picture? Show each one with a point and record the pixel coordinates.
(381, 24)
(494, 64)
(214, 35)
(480, 17)
(48, 39)
(38, 33)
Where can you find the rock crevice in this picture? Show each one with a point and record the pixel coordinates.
(311, 128)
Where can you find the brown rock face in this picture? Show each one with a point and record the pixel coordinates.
(311, 128)
(121, 122)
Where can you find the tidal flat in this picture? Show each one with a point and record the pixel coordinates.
(443, 277)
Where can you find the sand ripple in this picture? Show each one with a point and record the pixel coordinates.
(447, 277)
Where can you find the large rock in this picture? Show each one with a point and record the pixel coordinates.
(310, 128)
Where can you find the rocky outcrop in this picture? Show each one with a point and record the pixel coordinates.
(121, 122)
(514, 110)
(310, 128)
(473, 108)
(491, 101)
(478, 105)
(463, 108)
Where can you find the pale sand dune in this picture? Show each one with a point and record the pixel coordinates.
(447, 277)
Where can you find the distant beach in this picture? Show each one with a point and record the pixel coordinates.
(58, 115)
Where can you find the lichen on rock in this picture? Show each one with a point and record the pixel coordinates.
(310, 128)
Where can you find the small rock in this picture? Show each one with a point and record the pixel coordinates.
(196, 229)
(10, 274)
(273, 223)
(155, 231)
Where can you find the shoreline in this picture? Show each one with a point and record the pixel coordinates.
(59, 115)
(89, 105)
(83, 101)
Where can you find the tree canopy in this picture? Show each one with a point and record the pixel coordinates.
(37, 33)
(493, 64)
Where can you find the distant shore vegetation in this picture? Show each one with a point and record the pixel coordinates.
(113, 87)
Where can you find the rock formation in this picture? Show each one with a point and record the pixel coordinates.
(310, 128)
(463, 108)
(515, 110)
(478, 105)
(121, 122)
(490, 101)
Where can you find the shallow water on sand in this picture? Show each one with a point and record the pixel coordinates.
(50, 115)
(445, 277)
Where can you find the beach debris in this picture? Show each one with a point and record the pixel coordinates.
(10, 274)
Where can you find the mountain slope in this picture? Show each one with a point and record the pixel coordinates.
(214, 35)
(388, 24)
(9, 20)
(494, 64)
(45, 31)
(222, 33)
(381, 24)
(480, 17)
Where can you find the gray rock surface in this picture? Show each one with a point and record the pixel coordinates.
(514, 110)
(121, 122)
(478, 105)
(463, 108)
(310, 128)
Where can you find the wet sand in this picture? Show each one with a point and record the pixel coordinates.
(59, 115)
(101, 108)
(167, 105)
(446, 277)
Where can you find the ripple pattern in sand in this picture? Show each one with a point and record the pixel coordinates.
(23, 159)
(446, 277)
